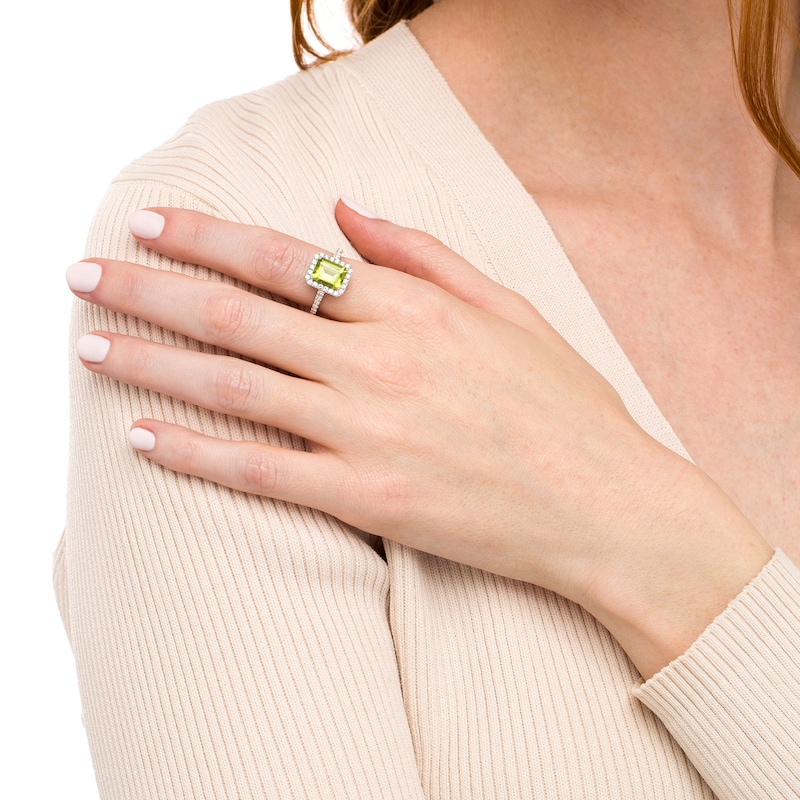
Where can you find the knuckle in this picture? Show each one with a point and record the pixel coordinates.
(391, 497)
(192, 233)
(413, 249)
(259, 472)
(424, 242)
(130, 287)
(235, 389)
(226, 315)
(139, 363)
(187, 454)
(277, 259)
(419, 313)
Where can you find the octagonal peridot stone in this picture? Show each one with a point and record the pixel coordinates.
(329, 273)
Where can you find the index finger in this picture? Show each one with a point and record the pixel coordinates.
(261, 257)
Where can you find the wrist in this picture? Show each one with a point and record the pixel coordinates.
(695, 555)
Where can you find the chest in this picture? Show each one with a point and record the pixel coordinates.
(715, 337)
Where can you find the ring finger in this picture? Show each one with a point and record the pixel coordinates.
(219, 383)
(211, 312)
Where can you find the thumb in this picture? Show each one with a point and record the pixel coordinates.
(423, 256)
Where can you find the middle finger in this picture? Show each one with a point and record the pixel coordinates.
(216, 313)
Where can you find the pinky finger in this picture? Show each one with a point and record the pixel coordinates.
(251, 467)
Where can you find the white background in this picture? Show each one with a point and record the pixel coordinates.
(87, 86)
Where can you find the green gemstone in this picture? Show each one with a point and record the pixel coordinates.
(329, 273)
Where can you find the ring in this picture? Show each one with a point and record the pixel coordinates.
(328, 275)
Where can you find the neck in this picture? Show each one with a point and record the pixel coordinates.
(638, 94)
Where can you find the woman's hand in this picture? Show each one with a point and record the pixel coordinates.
(441, 412)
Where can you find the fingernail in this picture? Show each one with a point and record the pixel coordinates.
(146, 224)
(141, 439)
(93, 348)
(84, 276)
(354, 205)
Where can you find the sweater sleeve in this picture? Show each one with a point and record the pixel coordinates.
(732, 701)
(227, 646)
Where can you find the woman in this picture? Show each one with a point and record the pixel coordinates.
(541, 595)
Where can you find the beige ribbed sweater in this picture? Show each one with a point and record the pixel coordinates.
(229, 646)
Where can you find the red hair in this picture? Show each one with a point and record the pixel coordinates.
(758, 45)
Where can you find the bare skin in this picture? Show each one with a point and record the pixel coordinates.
(675, 209)
(473, 431)
(683, 225)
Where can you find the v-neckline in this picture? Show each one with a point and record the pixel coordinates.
(522, 251)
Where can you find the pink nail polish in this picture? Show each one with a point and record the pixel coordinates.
(84, 276)
(141, 439)
(146, 224)
(93, 348)
(354, 205)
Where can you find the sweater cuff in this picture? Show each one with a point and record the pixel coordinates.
(732, 700)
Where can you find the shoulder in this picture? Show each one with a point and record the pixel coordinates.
(296, 136)
(374, 126)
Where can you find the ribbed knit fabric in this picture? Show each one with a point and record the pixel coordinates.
(233, 647)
